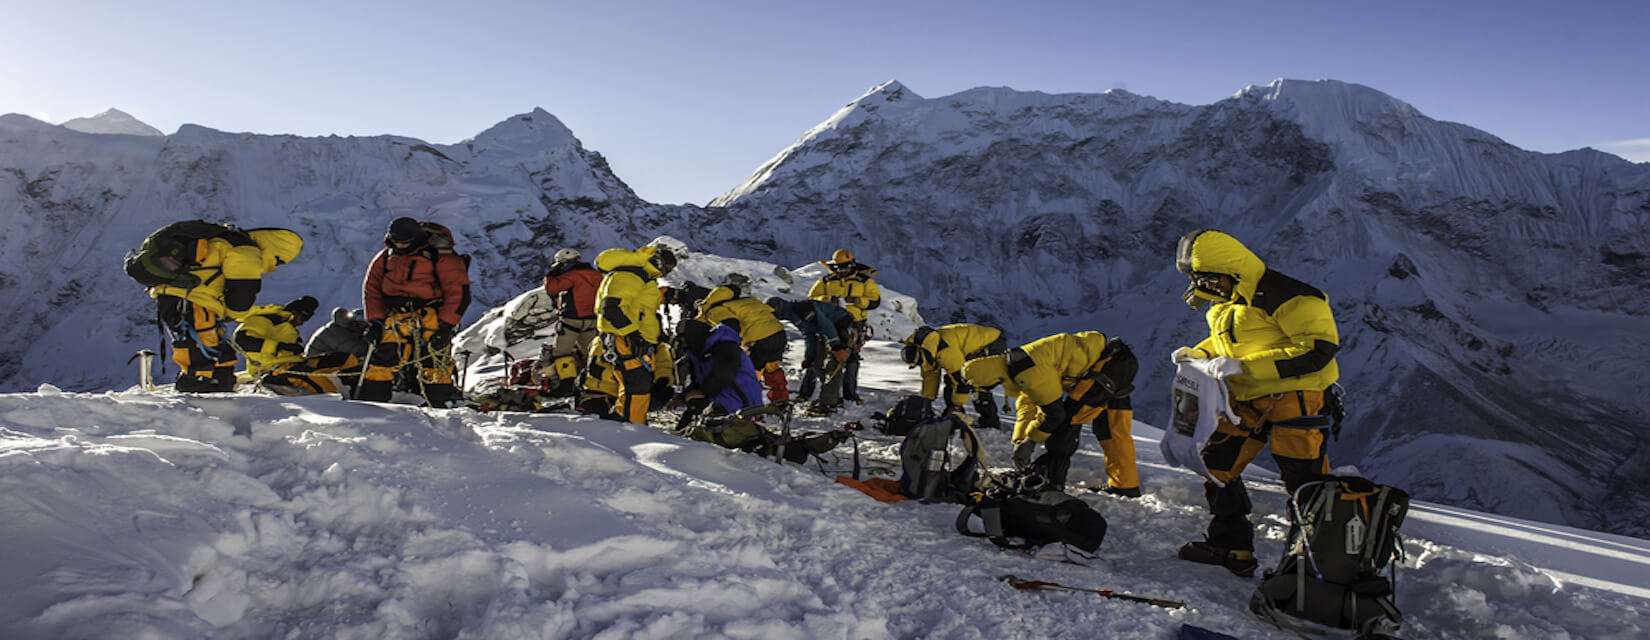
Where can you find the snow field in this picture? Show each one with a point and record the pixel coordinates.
(141, 516)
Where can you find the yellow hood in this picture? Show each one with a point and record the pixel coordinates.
(279, 246)
(620, 258)
(1217, 252)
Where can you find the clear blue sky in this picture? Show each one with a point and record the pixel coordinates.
(687, 98)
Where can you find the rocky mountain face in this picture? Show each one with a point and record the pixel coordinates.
(1492, 301)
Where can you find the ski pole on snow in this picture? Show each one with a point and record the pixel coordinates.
(1022, 584)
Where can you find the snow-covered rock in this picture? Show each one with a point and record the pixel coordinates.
(112, 121)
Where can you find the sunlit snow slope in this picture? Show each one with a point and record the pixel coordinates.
(141, 515)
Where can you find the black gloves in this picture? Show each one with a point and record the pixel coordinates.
(443, 337)
(1054, 416)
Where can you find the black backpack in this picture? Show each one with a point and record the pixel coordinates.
(928, 472)
(905, 415)
(167, 255)
(1016, 517)
(1344, 532)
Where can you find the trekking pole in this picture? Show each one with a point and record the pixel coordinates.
(1022, 584)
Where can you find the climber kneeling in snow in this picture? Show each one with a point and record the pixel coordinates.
(572, 284)
(199, 273)
(415, 293)
(1058, 383)
(849, 284)
(1273, 340)
(941, 353)
(628, 319)
(331, 362)
(717, 377)
(721, 392)
(828, 331)
(269, 335)
(759, 330)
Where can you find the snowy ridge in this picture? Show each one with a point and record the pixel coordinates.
(138, 515)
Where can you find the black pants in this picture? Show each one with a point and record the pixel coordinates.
(769, 349)
(1055, 463)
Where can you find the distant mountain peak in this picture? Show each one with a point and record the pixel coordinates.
(112, 121)
(534, 128)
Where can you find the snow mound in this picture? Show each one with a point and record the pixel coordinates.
(139, 515)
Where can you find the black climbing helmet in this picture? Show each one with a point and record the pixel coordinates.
(303, 308)
(404, 230)
(691, 334)
(663, 259)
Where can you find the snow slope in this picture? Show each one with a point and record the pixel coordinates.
(140, 515)
(112, 121)
(1492, 302)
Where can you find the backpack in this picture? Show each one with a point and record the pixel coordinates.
(1015, 519)
(905, 415)
(1344, 532)
(167, 255)
(927, 471)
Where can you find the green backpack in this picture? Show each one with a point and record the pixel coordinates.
(168, 254)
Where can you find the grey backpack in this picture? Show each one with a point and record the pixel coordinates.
(928, 471)
(1344, 533)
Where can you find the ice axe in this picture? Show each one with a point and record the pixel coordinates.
(146, 370)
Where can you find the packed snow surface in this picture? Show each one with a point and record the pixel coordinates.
(139, 515)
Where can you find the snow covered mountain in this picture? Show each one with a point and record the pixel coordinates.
(139, 515)
(1494, 303)
(112, 121)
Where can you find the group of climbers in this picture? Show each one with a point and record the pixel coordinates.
(1272, 338)
(414, 294)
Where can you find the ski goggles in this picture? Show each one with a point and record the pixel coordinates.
(1208, 287)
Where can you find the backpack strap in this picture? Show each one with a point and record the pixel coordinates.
(1366, 559)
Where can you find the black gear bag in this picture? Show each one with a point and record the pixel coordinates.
(904, 416)
(1028, 519)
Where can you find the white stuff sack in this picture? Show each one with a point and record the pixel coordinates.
(1198, 399)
